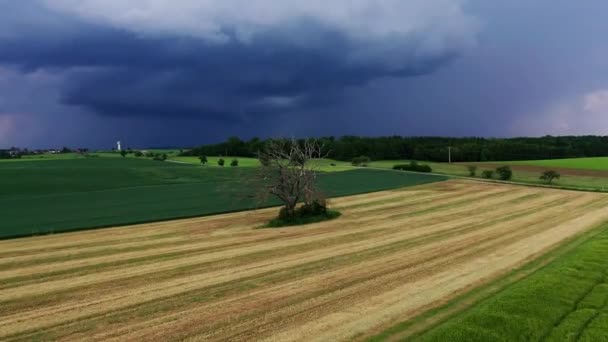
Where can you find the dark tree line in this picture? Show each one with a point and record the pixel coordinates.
(430, 148)
(5, 154)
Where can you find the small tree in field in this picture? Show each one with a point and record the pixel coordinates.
(504, 173)
(550, 175)
(203, 159)
(123, 153)
(287, 174)
(234, 162)
(472, 170)
(221, 162)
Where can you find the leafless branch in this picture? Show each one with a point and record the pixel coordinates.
(288, 172)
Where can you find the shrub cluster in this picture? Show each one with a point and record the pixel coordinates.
(504, 173)
(234, 162)
(413, 166)
(312, 212)
(313, 208)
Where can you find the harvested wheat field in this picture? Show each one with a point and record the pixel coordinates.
(391, 256)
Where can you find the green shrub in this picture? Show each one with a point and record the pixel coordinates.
(138, 154)
(314, 208)
(221, 162)
(284, 215)
(504, 173)
(414, 167)
(203, 159)
(234, 162)
(361, 161)
(299, 221)
(312, 212)
(487, 174)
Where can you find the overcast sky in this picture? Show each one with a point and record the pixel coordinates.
(185, 72)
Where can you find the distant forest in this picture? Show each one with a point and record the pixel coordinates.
(431, 148)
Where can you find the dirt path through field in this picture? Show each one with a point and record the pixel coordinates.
(391, 256)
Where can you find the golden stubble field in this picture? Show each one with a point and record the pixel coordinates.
(391, 256)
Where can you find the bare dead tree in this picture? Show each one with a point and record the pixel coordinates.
(288, 173)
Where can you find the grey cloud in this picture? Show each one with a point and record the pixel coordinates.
(225, 60)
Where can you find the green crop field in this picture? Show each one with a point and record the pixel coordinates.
(565, 301)
(64, 195)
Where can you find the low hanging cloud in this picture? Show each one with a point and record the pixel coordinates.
(226, 59)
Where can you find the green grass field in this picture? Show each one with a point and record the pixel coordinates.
(44, 157)
(451, 169)
(171, 153)
(587, 182)
(64, 195)
(324, 165)
(212, 161)
(564, 301)
(597, 163)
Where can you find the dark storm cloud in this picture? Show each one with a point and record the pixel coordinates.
(171, 72)
(115, 71)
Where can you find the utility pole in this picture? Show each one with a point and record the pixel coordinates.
(449, 154)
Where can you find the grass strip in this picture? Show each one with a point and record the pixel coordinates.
(537, 301)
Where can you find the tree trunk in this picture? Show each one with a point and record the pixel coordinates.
(290, 208)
